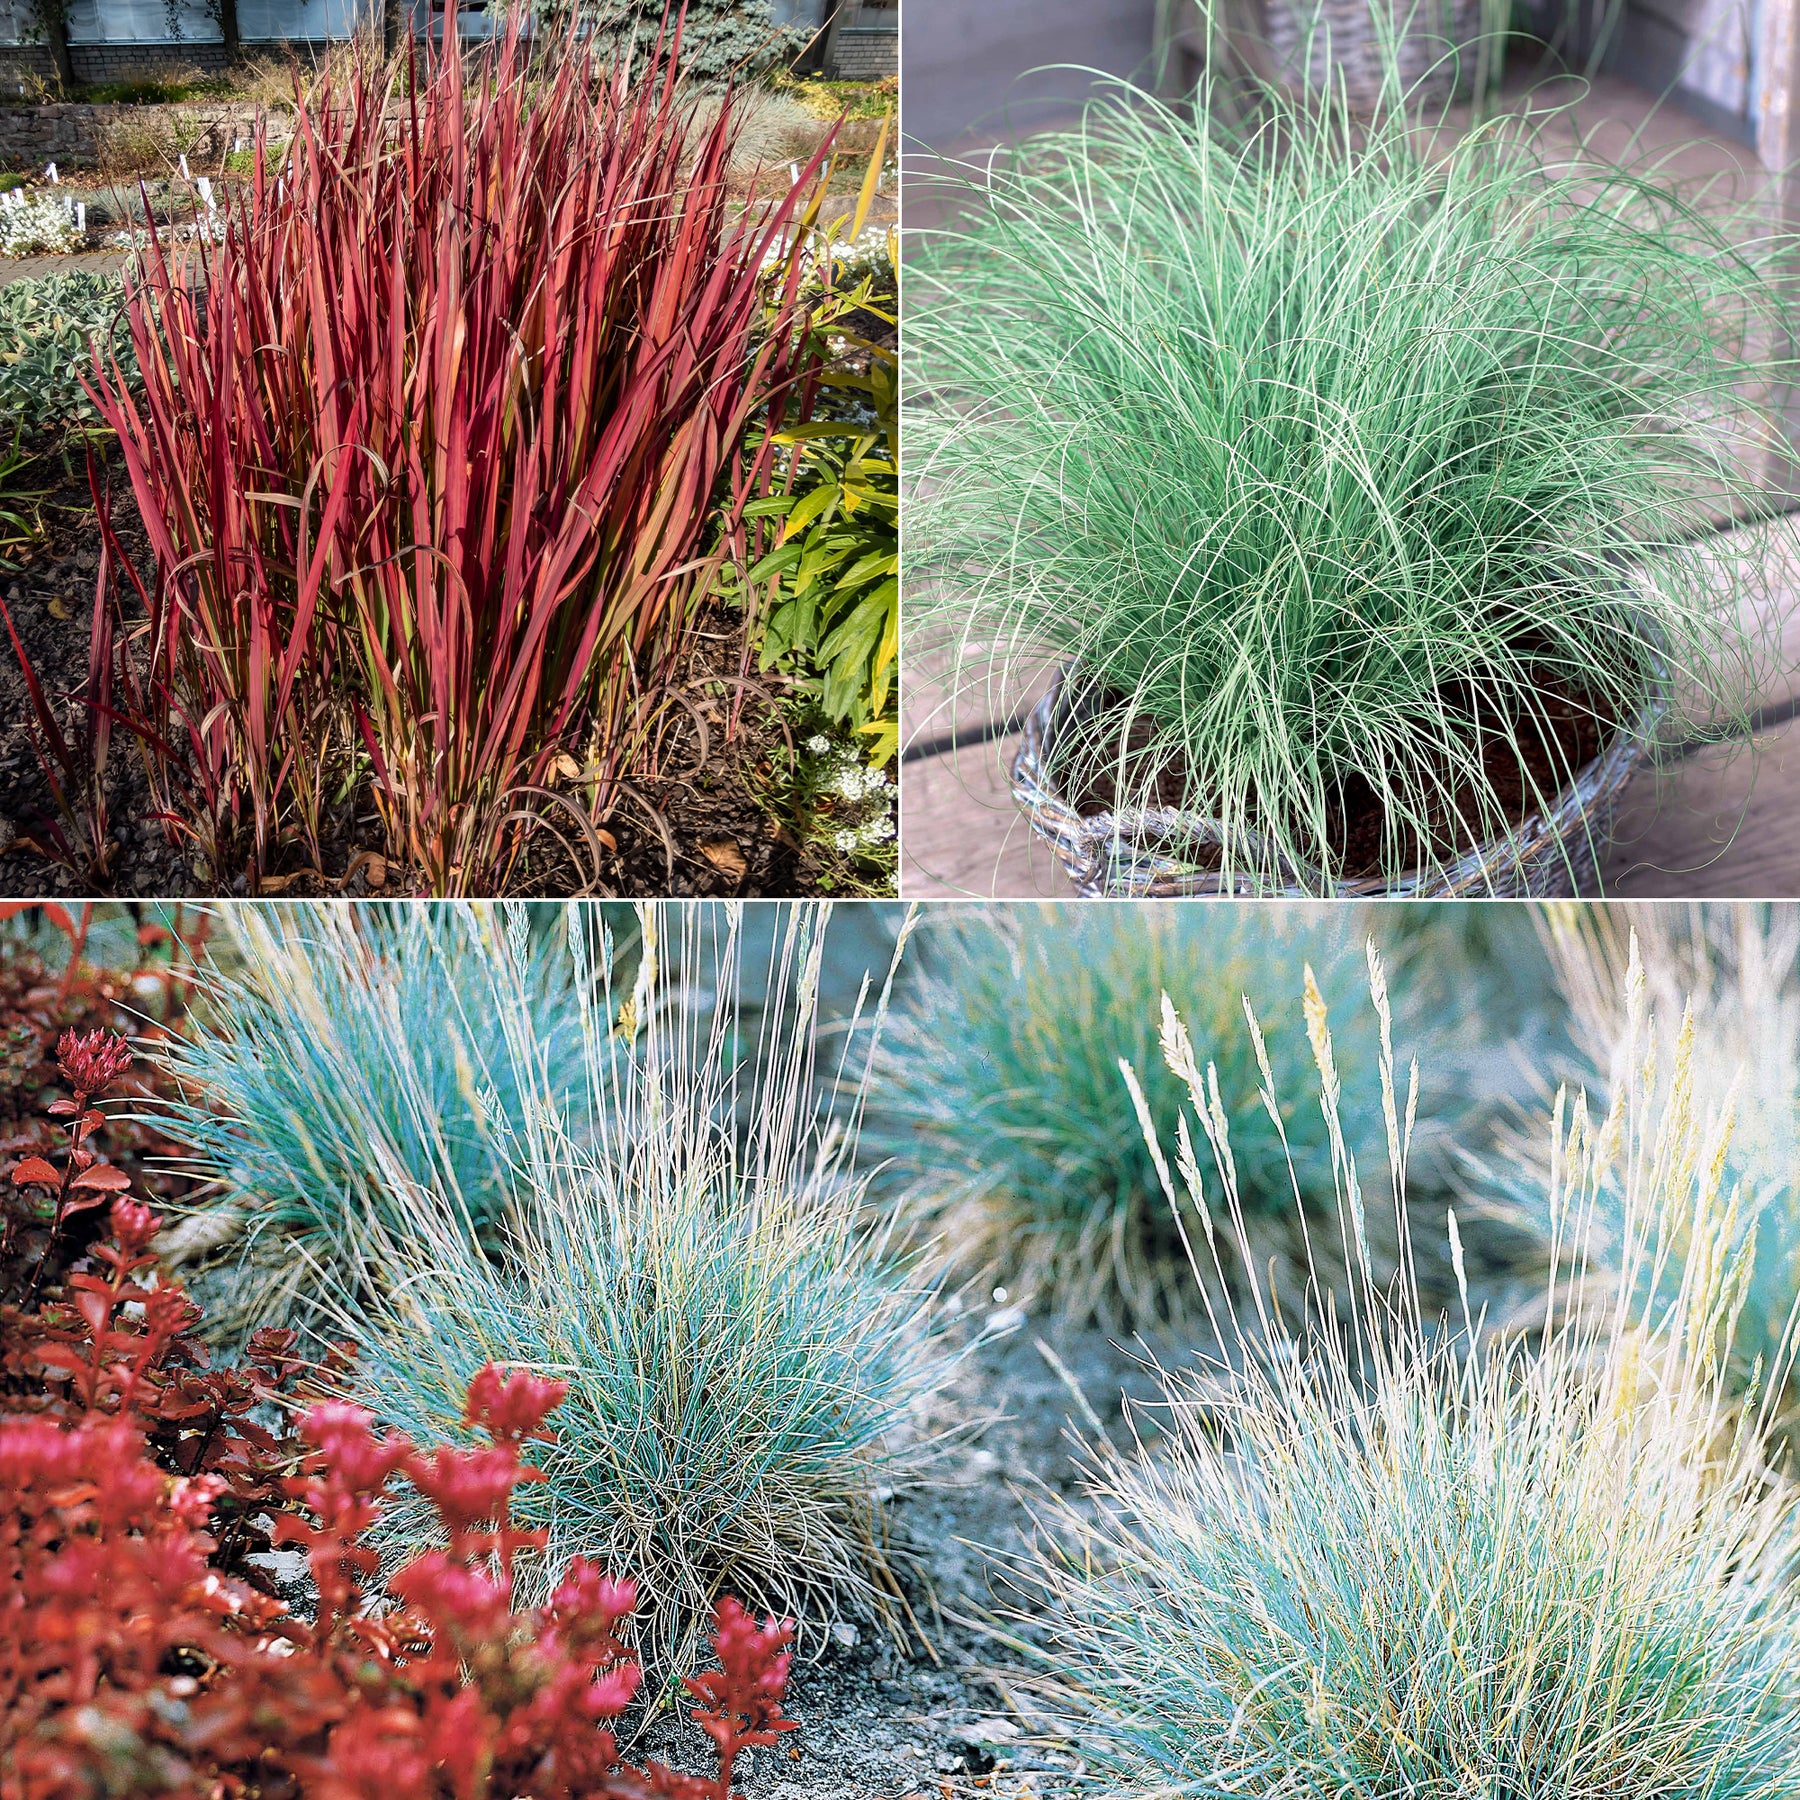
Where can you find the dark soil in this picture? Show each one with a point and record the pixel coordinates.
(1518, 763)
(720, 838)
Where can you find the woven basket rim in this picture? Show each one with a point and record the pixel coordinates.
(1088, 846)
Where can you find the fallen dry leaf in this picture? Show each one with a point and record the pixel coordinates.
(59, 607)
(375, 872)
(726, 857)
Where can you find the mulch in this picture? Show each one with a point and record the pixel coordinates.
(695, 828)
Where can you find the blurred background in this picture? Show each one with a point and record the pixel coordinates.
(982, 70)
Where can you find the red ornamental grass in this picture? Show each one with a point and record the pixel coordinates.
(438, 448)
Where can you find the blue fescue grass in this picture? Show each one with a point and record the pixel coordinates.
(678, 1234)
(1738, 967)
(327, 1083)
(1000, 1102)
(1384, 1556)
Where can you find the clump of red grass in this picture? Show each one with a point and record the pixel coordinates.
(437, 450)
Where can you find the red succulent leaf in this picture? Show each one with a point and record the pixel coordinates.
(104, 1178)
(35, 1172)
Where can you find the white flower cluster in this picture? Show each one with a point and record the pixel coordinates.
(852, 780)
(879, 830)
(37, 227)
(868, 253)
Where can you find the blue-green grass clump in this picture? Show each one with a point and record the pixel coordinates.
(668, 1220)
(1329, 455)
(1727, 978)
(1000, 1101)
(351, 1057)
(1382, 1555)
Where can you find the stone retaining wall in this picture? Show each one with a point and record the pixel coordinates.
(73, 133)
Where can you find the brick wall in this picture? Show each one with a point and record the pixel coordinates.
(27, 63)
(136, 62)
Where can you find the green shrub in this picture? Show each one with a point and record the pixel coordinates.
(822, 574)
(1323, 452)
(680, 1241)
(1380, 1558)
(1000, 1099)
(46, 328)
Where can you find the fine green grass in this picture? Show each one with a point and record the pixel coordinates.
(624, 1172)
(1382, 1556)
(1314, 448)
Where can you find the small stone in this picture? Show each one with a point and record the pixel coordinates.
(843, 1632)
(986, 1731)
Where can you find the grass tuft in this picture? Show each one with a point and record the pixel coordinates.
(1728, 979)
(1333, 459)
(1000, 1100)
(680, 1238)
(340, 1064)
(1383, 1555)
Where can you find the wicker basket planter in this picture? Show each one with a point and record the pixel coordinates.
(1159, 853)
(1320, 43)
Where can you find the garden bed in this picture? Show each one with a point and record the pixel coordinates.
(656, 752)
(735, 825)
(1116, 1507)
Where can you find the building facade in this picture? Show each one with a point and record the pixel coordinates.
(118, 40)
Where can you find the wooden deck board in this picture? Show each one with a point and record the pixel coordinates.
(961, 836)
(1724, 823)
